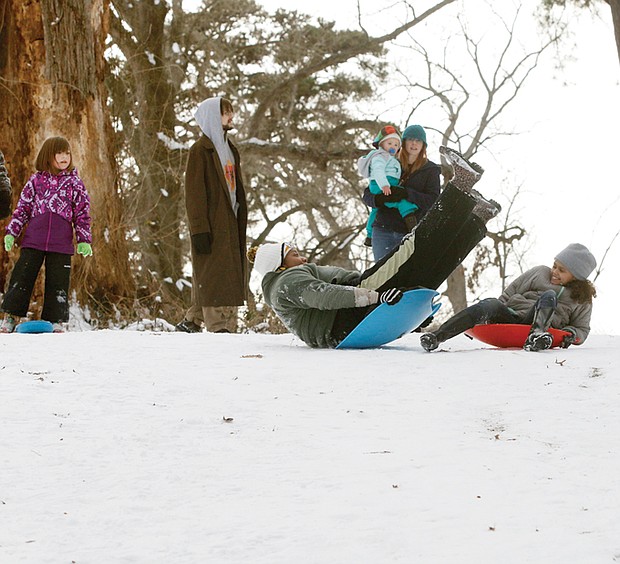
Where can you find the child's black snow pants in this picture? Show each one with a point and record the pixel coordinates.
(24, 275)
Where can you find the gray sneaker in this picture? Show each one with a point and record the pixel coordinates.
(8, 324)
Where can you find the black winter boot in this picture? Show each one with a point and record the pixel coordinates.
(429, 342)
(187, 327)
(465, 175)
(410, 222)
(538, 342)
(539, 339)
(485, 209)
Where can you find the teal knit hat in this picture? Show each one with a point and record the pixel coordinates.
(415, 132)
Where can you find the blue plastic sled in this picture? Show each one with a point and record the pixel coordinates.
(38, 326)
(387, 323)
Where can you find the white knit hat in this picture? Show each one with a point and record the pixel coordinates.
(270, 256)
(578, 259)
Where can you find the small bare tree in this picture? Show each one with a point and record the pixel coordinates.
(549, 17)
(473, 99)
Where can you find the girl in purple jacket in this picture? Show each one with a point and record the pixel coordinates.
(53, 204)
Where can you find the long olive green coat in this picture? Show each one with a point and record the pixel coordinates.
(220, 277)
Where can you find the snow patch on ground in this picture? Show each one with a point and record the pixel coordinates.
(129, 446)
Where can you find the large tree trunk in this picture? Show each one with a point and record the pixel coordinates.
(52, 69)
(151, 124)
(456, 290)
(615, 16)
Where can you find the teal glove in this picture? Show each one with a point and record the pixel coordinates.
(8, 242)
(85, 249)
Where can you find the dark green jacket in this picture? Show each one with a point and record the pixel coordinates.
(307, 297)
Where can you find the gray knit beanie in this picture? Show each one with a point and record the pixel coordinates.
(578, 259)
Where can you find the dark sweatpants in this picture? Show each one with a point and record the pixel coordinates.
(492, 311)
(444, 237)
(24, 275)
(439, 243)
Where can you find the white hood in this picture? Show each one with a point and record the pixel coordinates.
(363, 163)
(209, 118)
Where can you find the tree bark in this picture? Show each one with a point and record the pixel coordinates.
(152, 119)
(614, 5)
(52, 72)
(456, 291)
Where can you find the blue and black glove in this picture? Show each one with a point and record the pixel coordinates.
(202, 243)
(391, 296)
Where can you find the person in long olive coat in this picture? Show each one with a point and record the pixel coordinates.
(217, 216)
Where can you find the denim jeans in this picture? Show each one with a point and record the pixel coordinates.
(383, 241)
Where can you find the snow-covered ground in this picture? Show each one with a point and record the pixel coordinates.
(126, 446)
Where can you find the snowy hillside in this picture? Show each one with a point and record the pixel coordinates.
(121, 446)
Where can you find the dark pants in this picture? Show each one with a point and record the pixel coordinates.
(444, 237)
(24, 275)
(438, 244)
(491, 311)
(383, 241)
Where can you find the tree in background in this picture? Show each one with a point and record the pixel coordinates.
(296, 85)
(471, 84)
(51, 83)
(549, 16)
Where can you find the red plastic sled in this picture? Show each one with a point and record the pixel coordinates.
(509, 335)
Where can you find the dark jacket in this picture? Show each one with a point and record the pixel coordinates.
(5, 190)
(220, 277)
(422, 189)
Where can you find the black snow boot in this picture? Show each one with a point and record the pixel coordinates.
(465, 175)
(539, 339)
(410, 222)
(429, 342)
(538, 342)
(187, 327)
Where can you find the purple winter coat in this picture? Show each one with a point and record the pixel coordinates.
(50, 207)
